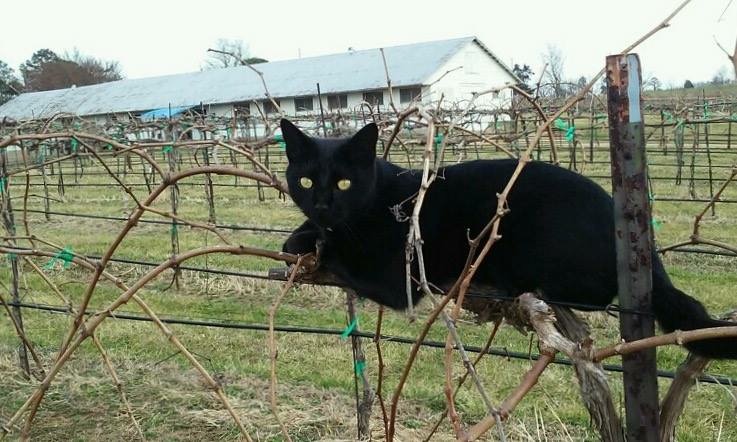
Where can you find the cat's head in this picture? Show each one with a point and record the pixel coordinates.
(330, 179)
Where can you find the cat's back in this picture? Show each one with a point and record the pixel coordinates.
(536, 181)
(560, 218)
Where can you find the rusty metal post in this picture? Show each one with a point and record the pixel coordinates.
(633, 241)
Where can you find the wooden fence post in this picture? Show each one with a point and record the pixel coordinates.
(209, 188)
(366, 401)
(632, 222)
(8, 220)
(42, 151)
(171, 155)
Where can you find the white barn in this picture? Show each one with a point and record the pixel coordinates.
(454, 68)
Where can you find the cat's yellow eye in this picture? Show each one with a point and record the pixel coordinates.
(344, 184)
(305, 182)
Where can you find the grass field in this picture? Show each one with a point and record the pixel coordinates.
(315, 372)
(728, 90)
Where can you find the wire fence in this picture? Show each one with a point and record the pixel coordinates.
(69, 169)
(236, 325)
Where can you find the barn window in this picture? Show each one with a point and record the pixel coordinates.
(374, 98)
(339, 101)
(303, 103)
(408, 94)
(269, 107)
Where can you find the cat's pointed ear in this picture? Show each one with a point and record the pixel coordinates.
(299, 147)
(361, 147)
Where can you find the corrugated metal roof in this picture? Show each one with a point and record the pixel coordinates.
(408, 65)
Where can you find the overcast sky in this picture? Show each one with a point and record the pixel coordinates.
(156, 37)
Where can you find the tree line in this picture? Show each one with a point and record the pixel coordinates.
(555, 83)
(46, 70)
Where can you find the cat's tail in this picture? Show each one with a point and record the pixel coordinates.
(675, 310)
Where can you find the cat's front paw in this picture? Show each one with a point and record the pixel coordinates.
(301, 243)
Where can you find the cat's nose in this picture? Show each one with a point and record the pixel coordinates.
(321, 207)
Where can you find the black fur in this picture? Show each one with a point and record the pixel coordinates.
(558, 237)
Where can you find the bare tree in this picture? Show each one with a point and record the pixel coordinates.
(46, 70)
(97, 70)
(651, 82)
(553, 76)
(230, 53)
(720, 77)
(732, 57)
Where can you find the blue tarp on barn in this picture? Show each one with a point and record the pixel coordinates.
(163, 113)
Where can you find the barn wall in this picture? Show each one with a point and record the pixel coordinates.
(478, 72)
(220, 110)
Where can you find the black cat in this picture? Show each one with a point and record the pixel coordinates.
(558, 237)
